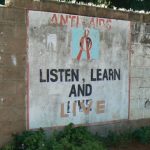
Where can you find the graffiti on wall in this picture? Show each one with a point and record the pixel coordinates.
(147, 103)
(78, 69)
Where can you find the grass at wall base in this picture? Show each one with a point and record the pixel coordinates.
(76, 138)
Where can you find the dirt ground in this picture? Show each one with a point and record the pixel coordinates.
(132, 146)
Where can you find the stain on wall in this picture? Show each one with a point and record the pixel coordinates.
(140, 71)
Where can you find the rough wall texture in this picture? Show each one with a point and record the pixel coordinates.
(45, 5)
(140, 71)
(13, 52)
(12, 72)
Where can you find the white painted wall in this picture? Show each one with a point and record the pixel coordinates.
(55, 45)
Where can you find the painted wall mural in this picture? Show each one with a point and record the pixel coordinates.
(78, 69)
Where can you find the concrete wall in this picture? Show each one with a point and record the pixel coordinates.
(140, 71)
(12, 72)
(13, 63)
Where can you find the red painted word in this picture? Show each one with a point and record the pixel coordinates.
(100, 23)
(65, 20)
(76, 21)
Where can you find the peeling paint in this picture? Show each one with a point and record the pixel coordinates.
(2, 99)
(140, 71)
(51, 42)
(14, 60)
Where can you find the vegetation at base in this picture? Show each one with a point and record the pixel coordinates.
(118, 139)
(71, 138)
(76, 138)
(142, 135)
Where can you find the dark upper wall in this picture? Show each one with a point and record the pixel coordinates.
(79, 10)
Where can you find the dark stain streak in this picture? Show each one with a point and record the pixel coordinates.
(145, 39)
(147, 103)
